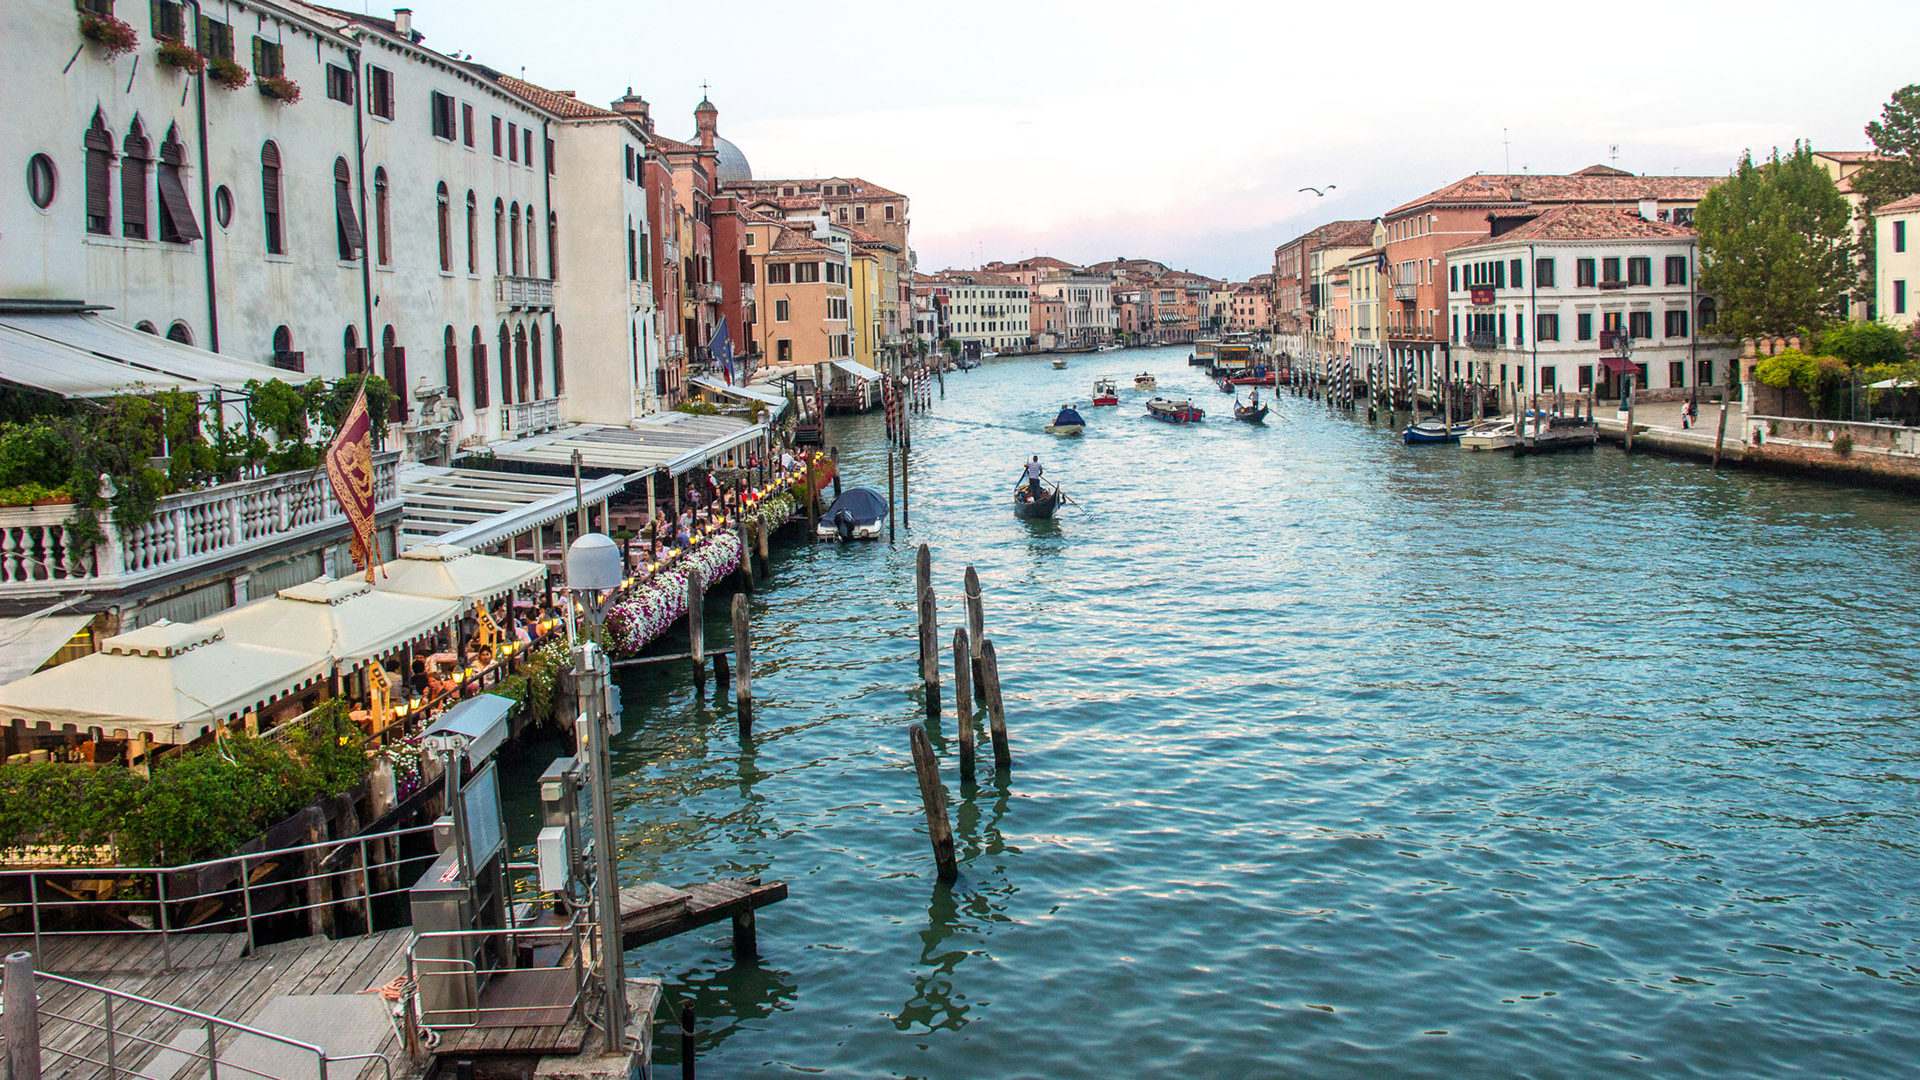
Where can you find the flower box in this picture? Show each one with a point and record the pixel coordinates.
(226, 72)
(109, 33)
(180, 55)
(280, 88)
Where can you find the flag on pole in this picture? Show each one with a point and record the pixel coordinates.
(721, 349)
(350, 471)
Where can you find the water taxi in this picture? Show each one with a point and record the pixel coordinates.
(1145, 381)
(1104, 391)
(1068, 422)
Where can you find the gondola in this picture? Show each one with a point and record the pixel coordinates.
(1225, 385)
(1175, 412)
(1434, 430)
(1028, 508)
(1250, 414)
(856, 515)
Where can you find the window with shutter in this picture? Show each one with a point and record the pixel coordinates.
(1676, 269)
(177, 223)
(477, 360)
(382, 219)
(270, 198)
(216, 39)
(559, 366)
(346, 223)
(380, 92)
(533, 249)
(268, 60)
(496, 136)
(169, 20)
(539, 377)
(136, 151)
(453, 367)
(526, 147)
(99, 147)
(443, 115)
(473, 234)
(1640, 270)
(513, 238)
(513, 142)
(553, 246)
(339, 84)
(520, 383)
(551, 170)
(444, 216)
(394, 370)
(506, 366)
(466, 124)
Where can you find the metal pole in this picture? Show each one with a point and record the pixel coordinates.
(591, 669)
(21, 1024)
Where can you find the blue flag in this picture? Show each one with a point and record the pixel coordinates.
(721, 347)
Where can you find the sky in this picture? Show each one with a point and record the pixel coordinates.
(1182, 132)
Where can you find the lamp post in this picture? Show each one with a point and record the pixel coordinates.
(1623, 348)
(594, 569)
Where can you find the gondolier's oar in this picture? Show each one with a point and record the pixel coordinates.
(1071, 501)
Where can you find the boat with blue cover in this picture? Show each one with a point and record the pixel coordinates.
(1435, 430)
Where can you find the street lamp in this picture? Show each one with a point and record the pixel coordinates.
(1623, 348)
(594, 570)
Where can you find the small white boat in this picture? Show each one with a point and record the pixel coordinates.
(1145, 381)
(1490, 435)
(1059, 363)
(1109, 347)
(988, 355)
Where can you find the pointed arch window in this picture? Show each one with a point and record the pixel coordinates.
(270, 199)
(473, 234)
(559, 369)
(99, 179)
(135, 158)
(477, 361)
(347, 230)
(499, 239)
(520, 381)
(539, 377)
(444, 216)
(382, 219)
(506, 366)
(355, 357)
(393, 368)
(553, 246)
(453, 366)
(177, 223)
(513, 237)
(533, 248)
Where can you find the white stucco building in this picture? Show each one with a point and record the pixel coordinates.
(1538, 307)
(1086, 305)
(993, 310)
(1896, 254)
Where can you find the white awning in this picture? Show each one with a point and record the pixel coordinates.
(771, 398)
(857, 369)
(478, 507)
(348, 621)
(674, 442)
(147, 357)
(29, 360)
(172, 681)
(451, 572)
(31, 640)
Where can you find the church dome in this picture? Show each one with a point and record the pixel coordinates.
(733, 167)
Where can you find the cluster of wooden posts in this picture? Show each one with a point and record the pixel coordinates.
(975, 665)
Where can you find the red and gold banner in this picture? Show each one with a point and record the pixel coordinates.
(350, 469)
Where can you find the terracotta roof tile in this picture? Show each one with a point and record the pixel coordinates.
(1900, 206)
(553, 101)
(1583, 222)
(1608, 185)
(800, 241)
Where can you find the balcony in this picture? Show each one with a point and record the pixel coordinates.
(706, 292)
(1611, 284)
(1485, 341)
(670, 250)
(523, 293)
(524, 418)
(1408, 292)
(676, 346)
(640, 294)
(193, 528)
(746, 294)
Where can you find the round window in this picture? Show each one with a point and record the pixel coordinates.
(223, 206)
(40, 180)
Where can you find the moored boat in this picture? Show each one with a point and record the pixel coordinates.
(1173, 411)
(1225, 385)
(1562, 433)
(1490, 435)
(1203, 353)
(856, 515)
(1145, 381)
(1104, 391)
(1059, 364)
(1435, 430)
(1068, 422)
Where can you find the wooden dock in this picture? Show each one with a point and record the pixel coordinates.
(652, 912)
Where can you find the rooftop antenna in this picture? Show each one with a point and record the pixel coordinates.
(1506, 144)
(1613, 154)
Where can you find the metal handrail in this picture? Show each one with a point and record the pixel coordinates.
(573, 928)
(211, 1056)
(243, 866)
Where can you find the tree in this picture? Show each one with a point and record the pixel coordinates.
(1776, 242)
(1895, 173)
(1864, 344)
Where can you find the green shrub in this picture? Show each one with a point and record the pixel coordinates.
(1843, 443)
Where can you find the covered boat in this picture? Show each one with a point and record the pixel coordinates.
(1104, 392)
(1490, 435)
(1068, 422)
(1435, 430)
(1182, 411)
(856, 515)
(1145, 381)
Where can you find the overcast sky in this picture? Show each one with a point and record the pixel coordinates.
(1182, 131)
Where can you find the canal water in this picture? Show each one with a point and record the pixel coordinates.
(1333, 758)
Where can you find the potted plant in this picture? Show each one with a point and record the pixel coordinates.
(226, 72)
(110, 33)
(279, 87)
(180, 55)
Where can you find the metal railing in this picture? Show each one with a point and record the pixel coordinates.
(1485, 341)
(137, 1014)
(446, 989)
(707, 292)
(227, 893)
(1406, 291)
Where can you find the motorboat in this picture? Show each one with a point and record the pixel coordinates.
(1029, 508)
(1104, 392)
(1068, 422)
(1562, 433)
(1145, 381)
(857, 514)
(1490, 435)
(1059, 363)
(1435, 430)
(1109, 347)
(1182, 411)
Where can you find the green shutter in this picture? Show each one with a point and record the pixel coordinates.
(257, 51)
(156, 13)
(206, 31)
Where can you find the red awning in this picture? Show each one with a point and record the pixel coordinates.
(1618, 365)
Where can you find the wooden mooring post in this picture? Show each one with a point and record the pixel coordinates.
(1630, 403)
(21, 1026)
(963, 700)
(742, 665)
(933, 796)
(760, 529)
(745, 568)
(930, 652)
(996, 711)
(891, 508)
(1720, 440)
(697, 629)
(976, 619)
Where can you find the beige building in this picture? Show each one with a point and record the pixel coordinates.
(1896, 253)
(804, 313)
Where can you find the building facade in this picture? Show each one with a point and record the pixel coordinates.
(1896, 252)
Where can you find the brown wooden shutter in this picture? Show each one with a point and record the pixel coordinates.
(480, 377)
(506, 366)
(453, 367)
(395, 372)
(356, 240)
(177, 223)
(99, 187)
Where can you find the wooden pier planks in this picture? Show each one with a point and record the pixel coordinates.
(652, 912)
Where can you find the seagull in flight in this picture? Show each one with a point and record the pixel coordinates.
(1317, 191)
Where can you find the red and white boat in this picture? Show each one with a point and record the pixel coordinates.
(1104, 392)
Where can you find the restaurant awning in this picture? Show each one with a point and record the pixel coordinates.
(674, 442)
(771, 398)
(857, 369)
(1618, 365)
(31, 640)
(29, 360)
(478, 507)
(450, 572)
(172, 681)
(135, 356)
(347, 620)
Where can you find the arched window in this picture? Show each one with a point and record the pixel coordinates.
(500, 240)
(270, 200)
(506, 366)
(99, 179)
(346, 223)
(477, 359)
(559, 370)
(356, 357)
(444, 211)
(284, 357)
(553, 246)
(177, 223)
(520, 380)
(473, 234)
(513, 237)
(382, 219)
(180, 332)
(539, 377)
(136, 154)
(453, 366)
(533, 248)
(393, 368)
(146, 327)
(282, 339)
(1709, 313)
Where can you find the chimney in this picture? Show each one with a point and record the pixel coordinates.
(403, 22)
(1650, 209)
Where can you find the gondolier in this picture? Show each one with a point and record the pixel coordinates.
(1031, 474)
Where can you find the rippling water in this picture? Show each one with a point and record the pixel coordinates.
(1333, 758)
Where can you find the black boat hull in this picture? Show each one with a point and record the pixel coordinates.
(1038, 510)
